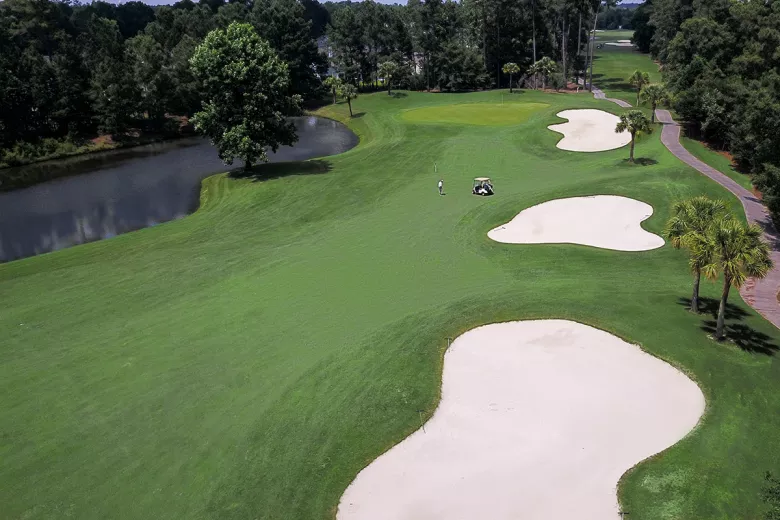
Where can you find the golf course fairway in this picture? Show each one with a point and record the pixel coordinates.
(249, 360)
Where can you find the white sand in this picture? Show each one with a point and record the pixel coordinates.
(605, 221)
(589, 130)
(621, 43)
(624, 41)
(538, 420)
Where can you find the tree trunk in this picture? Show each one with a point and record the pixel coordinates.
(247, 166)
(579, 36)
(533, 25)
(349, 102)
(334, 97)
(722, 309)
(593, 47)
(510, 83)
(633, 138)
(563, 49)
(695, 297)
(652, 116)
(498, 50)
(388, 86)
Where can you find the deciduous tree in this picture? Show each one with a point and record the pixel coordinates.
(246, 95)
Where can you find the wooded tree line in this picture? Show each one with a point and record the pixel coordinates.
(721, 65)
(72, 69)
(69, 69)
(452, 45)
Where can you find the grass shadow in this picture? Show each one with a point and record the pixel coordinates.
(744, 337)
(267, 172)
(357, 115)
(641, 161)
(399, 95)
(710, 306)
(770, 230)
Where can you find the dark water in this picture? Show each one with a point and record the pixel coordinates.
(125, 190)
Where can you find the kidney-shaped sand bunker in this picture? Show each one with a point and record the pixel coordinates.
(605, 221)
(537, 420)
(589, 130)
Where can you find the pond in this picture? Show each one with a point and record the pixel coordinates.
(102, 195)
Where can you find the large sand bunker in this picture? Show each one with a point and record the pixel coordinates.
(589, 130)
(605, 221)
(537, 420)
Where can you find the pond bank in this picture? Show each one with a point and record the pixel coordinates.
(99, 196)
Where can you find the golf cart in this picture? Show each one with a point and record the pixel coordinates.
(482, 186)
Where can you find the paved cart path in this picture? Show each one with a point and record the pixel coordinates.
(759, 294)
(762, 295)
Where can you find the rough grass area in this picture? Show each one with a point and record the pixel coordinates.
(488, 114)
(612, 66)
(717, 160)
(248, 360)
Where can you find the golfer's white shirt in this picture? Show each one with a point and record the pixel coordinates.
(441, 184)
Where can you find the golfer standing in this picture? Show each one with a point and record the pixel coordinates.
(441, 187)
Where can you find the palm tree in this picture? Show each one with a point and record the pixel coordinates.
(511, 69)
(349, 92)
(633, 121)
(388, 70)
(690, 219)
(333, 84)
(739, 252)
(534, 71)
(638, 80)
(654, 93)
(545, 67)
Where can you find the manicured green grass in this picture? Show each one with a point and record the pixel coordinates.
(483, 114)
(613, 65)
(614, 35)
(247, 361)
(717, 160)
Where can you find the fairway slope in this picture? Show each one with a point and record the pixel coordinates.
(605, 221)
(589, 130)
(537, 420)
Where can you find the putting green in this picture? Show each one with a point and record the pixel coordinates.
(484, 114)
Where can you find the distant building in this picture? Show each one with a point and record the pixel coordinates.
(323, 45)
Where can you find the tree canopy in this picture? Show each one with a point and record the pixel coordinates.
(70, 70)
(722, 70)
(634, 122)
(246, 99)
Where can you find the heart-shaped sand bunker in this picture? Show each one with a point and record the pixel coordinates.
(537, 420)
(605, 221)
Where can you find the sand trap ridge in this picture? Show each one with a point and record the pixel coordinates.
(605, 221)
(538, 420)
(589, 130)
(621, 43)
